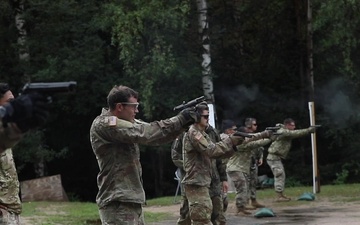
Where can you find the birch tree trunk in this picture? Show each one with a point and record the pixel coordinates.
(208, 86)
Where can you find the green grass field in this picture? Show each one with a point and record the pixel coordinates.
(80, 213)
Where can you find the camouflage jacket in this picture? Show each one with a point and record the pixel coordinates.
(9, 183)
(218, 166)
(115, 144)
(280, 147)
(241, 160)
(9, 136)
(199, 151)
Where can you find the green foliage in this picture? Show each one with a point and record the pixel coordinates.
(152, 56)
(258, 51)
(32, 149)
(341, 177)
(291, 182)
(74, 213)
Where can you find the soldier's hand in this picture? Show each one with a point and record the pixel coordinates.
(189, 116)
(236, 140)
(27, 111)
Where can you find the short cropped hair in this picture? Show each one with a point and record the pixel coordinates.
(249, 121)
(288, 121)
(227, 124)
(242, 129)
(4, 87)
(201, 107)
(120, 93)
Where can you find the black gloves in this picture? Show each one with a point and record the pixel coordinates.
(189, 116)
(27, 111)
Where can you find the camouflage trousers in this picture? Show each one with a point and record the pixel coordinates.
(184, 218)
(241, 183)
(217, 215)
(8, 218)
(200, 205)
(253, 182)
(122, 213)
(278, 170)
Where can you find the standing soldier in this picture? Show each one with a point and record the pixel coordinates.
(115, 136)
(198, 149)
(218, 184)
(238, 169)
(256, 161)
(278, 151)
(228, 128)
(177, 158)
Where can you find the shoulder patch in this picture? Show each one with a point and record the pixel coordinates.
(198, 135)
(112, 121)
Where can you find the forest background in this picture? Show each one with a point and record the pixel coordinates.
(259, 63)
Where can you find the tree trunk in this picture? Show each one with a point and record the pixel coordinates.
(208, 86)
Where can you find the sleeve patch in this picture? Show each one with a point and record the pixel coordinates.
(112, 121)
(198, 136)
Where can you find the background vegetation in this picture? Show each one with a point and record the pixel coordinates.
(258, 51)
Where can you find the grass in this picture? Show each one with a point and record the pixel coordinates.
(83, 213)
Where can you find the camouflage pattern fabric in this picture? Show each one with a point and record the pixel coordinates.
(218, 176)
(9, 183)
(241, 160)
(199, 153)
(254, 169)
(177, 158)
(280, 147)
(121, 213)
(9, 136)
(184, 218)
(199, 203)
(115, 145)
(278, 170)
(218, 214)
(9, 218)
(241, 183)
(198, 149)
(253, 177)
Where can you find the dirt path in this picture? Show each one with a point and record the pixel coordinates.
(318, 212)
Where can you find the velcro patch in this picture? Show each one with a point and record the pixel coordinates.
(112, 121)
(198, 136)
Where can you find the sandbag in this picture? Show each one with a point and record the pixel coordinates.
(264, 212)
(307, 196)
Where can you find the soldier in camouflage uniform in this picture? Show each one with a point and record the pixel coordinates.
(10, 204)
(219, 184)
(198, 149)
(115, 136)
(228, 127)
(278, 151)
(238, 169)
(217, 187)
(177, 158)
(257, 160)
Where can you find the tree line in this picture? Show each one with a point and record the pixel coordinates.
(258, 69)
